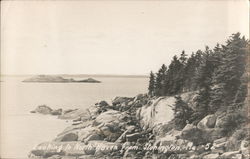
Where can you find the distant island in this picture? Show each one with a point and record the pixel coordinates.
(58, 79)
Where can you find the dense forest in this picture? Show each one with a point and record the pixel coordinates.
(219, 75)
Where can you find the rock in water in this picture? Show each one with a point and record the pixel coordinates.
(43, 109)
(56, 112)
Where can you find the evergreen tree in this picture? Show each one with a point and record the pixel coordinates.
(183, 57)
(182, 113)
(219, 75)
(190, 70)
(151, 88)
(174, 82)
(160, 80)
(227, 77)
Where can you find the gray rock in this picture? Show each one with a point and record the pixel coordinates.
(192, 133)
(43, 109)
(70, 137)
(207, 122)
(103, 103)
(56, 112)
(84, 133)
(139, 97)
(231, 154)
(119, 100)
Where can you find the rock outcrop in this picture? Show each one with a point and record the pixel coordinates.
(140, 127)
(43, 109)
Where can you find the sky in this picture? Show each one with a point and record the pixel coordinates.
(111, 37)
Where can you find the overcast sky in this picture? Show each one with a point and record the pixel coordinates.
(111, 37)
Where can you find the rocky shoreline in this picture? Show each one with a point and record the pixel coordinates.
(140, 127)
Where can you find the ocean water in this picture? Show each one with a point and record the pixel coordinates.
(21, 130)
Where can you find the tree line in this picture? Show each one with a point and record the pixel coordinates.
(219, 76)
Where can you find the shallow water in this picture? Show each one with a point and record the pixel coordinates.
(21, 130)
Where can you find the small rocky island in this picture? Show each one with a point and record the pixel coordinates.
(58, 79)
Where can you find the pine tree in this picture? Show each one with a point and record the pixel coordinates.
(183, 58)
(173, 82)
(151, 88)
(227, 77)
(160, 80)
(182, 113)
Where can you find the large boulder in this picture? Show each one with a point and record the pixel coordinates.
(157, 113)
(192, 133)
(70, 137)
(86, 132)
(109, 117)
(207, 122)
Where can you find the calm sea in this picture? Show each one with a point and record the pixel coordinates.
(21, 130)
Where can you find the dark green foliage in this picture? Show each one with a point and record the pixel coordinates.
(159, 80)
(218, 74)
(230, 71)
(232, 121)
(151, 87)
(182, 113)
